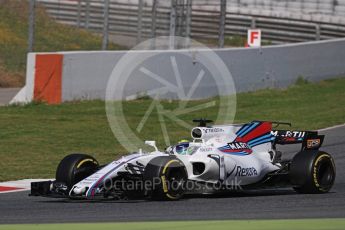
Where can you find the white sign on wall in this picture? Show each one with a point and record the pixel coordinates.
(254, 38)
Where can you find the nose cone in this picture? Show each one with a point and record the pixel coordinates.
(78, 190)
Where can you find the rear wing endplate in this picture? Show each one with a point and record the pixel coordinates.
(310, 140)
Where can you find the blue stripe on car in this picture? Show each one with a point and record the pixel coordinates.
(260, 138)
(107, 174)
(242, 128)
(262, 142)
(244, 132)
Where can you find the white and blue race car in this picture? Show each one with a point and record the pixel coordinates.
(219, 158)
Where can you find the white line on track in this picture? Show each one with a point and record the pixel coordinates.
(332, 127)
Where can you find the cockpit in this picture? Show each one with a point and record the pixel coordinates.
(183, 147)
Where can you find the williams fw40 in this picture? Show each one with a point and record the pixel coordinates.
(219, 158)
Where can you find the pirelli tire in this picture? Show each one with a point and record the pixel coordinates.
(74, 168)
(312, 171)
(165, 178)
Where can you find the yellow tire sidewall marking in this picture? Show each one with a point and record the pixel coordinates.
(315, 169)
(84, 161)
(167, 165)
(165, 187)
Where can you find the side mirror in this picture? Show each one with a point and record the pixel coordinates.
(152, 144)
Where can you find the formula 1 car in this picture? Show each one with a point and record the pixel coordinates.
(220, 158)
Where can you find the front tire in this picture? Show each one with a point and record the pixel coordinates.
(312, 171)
(167, 177)
(74, 168)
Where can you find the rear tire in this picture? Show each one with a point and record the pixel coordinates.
(167, 177)
(74, 168)
(312, 171)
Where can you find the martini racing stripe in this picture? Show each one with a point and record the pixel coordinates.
(228, 150)
(242, 153)
(262, 129)
(242, 129)
(265, 136)
(250, 135)
(262, 142)
(246, 130)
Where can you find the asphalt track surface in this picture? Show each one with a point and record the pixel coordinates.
(282, 204)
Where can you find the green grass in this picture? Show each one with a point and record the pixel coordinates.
(49, 36)
(35, 137)
(306, 224)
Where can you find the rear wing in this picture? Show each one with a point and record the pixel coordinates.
(310, 140)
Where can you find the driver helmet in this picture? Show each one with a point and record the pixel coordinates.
(181, 147)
